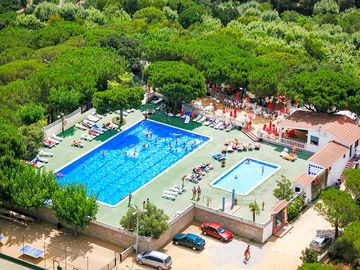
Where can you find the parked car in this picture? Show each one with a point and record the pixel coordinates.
(155, 259)
(215, 230)
(320, 243)
(189, 240)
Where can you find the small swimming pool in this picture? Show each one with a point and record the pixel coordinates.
(130, 160)
(245, 176)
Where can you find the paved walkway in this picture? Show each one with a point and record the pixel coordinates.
(277, 253)
(64, 153)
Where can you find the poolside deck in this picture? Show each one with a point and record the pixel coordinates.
(64, 153)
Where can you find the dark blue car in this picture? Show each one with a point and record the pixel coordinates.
(189, 240)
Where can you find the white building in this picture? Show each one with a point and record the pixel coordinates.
(333, 140)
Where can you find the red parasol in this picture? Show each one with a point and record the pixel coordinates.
(277, 106)
(193, 114)
(235, 112)
(264, 127)
(250, 116)
(237, 96)
(215, 107)
(247, 98)
(270, 105)
(270, 126)
(282, 109)
(224, 110)
(286, 110)
(231, 113)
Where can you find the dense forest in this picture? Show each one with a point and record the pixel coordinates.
(55, 55)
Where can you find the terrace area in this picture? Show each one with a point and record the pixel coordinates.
(64, 153)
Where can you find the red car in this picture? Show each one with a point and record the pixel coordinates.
(215, 230)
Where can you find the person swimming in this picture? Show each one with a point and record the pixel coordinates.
(103, 153)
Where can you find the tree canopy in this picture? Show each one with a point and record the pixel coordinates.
(72, 205)
(176, 81)
(338, 208)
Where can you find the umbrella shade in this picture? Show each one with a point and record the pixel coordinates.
(224, 110)
(270, 105)
(231, 113)
(264, 127)
(250, 116)
(237, 96)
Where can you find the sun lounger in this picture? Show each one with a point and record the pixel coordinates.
(229, 128)
(87, 137)
(32, 252)
(217, 126)
(98, 115)
(92, 118)
(290, 157)
(202, 119)
(187, 119)
(221, 126)
(45, 154)
(170, 193)
(37, 164)
(219, 157)
(214, 123)
(177, 190)
(283, 153)
(41, 159)
(77, 144)
(158, 101)
(53, 140)
(79, 126)
(57, 138)
(48, 143)
(168, 196)
(197, 118)
(183, 189)
(170, 114)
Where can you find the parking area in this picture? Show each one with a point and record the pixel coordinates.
(277, 253)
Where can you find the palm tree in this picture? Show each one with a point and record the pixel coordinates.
(254, 208)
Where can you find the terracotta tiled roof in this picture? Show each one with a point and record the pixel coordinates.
(329, 154)
(337, 125)
(279, 206)
(304, 179)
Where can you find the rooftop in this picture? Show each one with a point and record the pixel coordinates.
(340, 126)
(329, 154)
(304, 179)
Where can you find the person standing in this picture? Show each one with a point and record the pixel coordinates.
(247, 254)
(194, 193)
(147, 202)
(144, 205)
(130, 197)
(262, 206)
(198, 192)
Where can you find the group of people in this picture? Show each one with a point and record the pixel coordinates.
(196, 191)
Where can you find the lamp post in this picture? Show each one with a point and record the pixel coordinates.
(62, 121)
(137, 212)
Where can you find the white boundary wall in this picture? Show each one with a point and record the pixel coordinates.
(69, 120)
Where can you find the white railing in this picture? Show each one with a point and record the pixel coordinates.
(298, 144)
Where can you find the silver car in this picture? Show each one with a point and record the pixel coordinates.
(155, 259)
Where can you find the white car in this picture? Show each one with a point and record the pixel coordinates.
(155, 259)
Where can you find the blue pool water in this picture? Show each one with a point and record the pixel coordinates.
(132, 159)
(245, 176)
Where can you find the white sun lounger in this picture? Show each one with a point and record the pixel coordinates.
(57, 138)
(168, 196)
(45, 154)
(218, 125)
(43, 160)
(53, 140)
(187, 119)
(214, 123)
(79, 126)
(86, 137)
(197, 118)
(172, 193)
(170, 114)
(202, 119)
(158, 101)
(92, 118)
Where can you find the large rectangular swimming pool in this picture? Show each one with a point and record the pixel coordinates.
(245, 176)
(130, 160)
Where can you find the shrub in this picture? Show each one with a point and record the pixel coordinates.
(295, 208)
(309, 256)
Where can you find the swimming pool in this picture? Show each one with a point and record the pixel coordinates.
(245, 176)
(130, 160)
